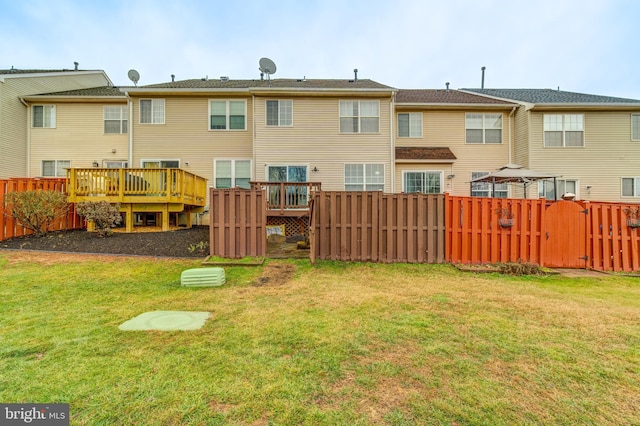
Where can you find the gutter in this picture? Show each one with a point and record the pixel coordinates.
(130, 104)
(28, 165)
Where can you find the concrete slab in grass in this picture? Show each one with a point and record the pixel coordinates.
(166, 321)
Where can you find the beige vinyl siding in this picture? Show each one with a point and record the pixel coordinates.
(447, 129)
(78, 136)
(14, 118)
(607, 155)
(314, 140)
(185, 135)
(521, 138)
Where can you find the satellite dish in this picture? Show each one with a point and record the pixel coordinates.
(134, 76)
(267, 66)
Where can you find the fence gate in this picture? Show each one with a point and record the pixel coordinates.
(564, 235)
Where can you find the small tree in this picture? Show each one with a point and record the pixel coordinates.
(102, 214)
(36, 210)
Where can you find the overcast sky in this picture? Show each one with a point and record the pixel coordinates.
(588, 46)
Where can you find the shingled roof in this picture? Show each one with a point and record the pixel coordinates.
(91, 91)
(36, 71)
(424, 153)
(443, 96)
(550, 96)
(276, 83)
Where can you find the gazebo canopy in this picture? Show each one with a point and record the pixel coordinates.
(514, 173)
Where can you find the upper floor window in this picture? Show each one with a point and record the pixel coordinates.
(233, 173)
(364, 177)
(562, 130)
(410, 125)
(115, 119)
(359, 116)
(635, 127)
(227, 115)
(55, 168)
(280, 113)
(546, 189)
(423, 182)
(44, 116)
(483, 128)
(631, 187)
(152, 111)
(486, 189)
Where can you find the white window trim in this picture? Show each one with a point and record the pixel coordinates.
(490, 185)
(484, 128)
(53, 116)
(228, 115)
(559, 196)
(440, 172)
(584, 133)
(636, 186)
(364, 169)
(233, 169)
(151, 160)
(279, 118)
(124, 117)
(635, 115)
(123, 164)
(154, 101)
(410, 114)
(360, 116)
(55, 167)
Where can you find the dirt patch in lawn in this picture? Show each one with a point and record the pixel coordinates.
(177, 243)
(275, 274)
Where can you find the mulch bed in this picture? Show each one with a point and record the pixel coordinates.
(174, 243)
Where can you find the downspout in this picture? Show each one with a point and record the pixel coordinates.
(28, 165)
(253, 139)
(130, 159)
(392, 139)
(511, 160)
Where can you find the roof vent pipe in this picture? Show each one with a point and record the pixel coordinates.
(261, 76)
(482, 83)
(355, 73)
(76, 66)
(447, 83)
(173, 78)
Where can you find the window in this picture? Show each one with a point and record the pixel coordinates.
(483, 189)
(631, 187)
(364, 177)
(563, 130)
(55, 168)
(109, 164)
(279, 113)
(483, 128)
(546, 190)
(160, 164)
(635, 127)
(422, 182)
(410, 125)
(232, 173)
(44, 116)
(152, 111)
(359, 116)
(115, 119)
(227, 115)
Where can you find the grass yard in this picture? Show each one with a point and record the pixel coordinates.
(335, 343)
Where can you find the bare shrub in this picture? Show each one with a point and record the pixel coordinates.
(36, 210)
(102, 214)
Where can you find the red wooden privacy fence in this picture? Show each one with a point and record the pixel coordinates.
(564, 234)
(9, 228)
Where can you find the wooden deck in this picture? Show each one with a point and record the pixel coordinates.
(287, 198)
(162, 191)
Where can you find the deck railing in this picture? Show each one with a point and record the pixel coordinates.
(136, 186)
(287, 195)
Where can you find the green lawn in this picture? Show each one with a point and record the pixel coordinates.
(338, 343)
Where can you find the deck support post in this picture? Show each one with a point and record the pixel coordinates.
(165, 217)
(128, 217)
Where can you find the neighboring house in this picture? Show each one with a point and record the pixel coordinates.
(17, 124)
(445, 138)
(592, 142)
